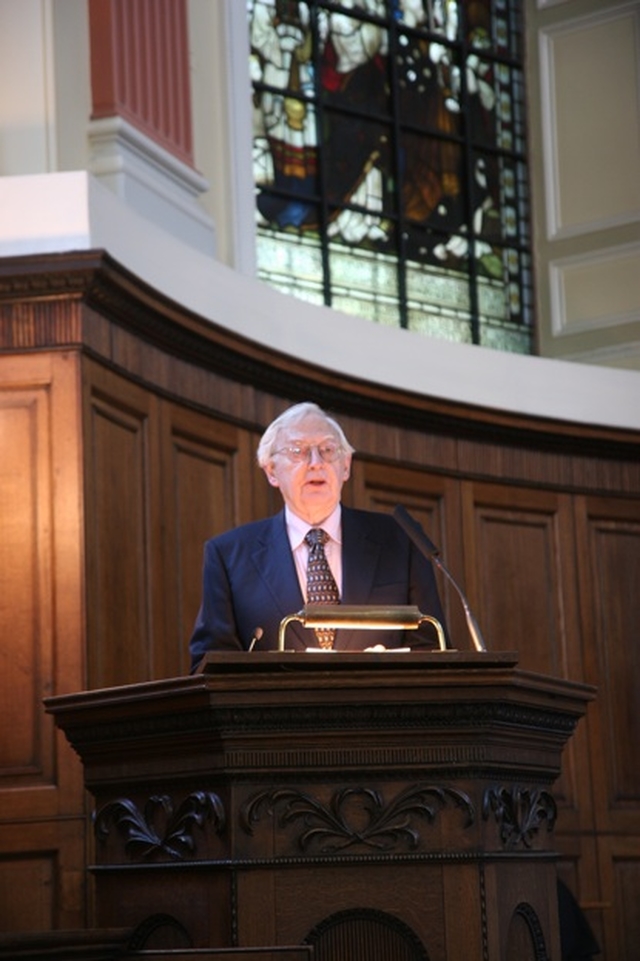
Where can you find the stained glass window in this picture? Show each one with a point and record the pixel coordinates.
(390, 162)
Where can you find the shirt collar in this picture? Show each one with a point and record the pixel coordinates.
(297, 528)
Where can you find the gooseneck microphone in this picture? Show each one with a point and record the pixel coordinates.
(257, 634)
(425, 545)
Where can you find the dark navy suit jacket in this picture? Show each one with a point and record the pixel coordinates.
(250, 581)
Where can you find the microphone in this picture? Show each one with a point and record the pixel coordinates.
(257, 634)
(425, 545)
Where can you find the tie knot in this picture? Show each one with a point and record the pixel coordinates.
(316, 536)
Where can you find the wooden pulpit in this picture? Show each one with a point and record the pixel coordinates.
(376, 807)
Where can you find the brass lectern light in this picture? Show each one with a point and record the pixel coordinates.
(362, 617)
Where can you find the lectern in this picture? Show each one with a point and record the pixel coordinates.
(378, 807)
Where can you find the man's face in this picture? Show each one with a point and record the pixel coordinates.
(310, 487)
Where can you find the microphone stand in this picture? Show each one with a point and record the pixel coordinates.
(425, 545)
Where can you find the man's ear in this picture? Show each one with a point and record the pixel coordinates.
(271, 477)
(347, 468)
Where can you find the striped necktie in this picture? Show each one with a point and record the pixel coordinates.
(321, 587)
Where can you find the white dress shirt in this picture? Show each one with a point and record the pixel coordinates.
(297, 530)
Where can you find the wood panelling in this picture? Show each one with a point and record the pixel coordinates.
(609, 567)
(128, 431)
(619, 871)
(121, 534)
(208, 465)
(434, 501)
(578, 869)
(520, 558)
(515, 543)
(34, 872)
(42, 858)
(42, 874)
(160, 481)
(25, 584)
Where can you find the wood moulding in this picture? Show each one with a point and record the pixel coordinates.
(41, 301)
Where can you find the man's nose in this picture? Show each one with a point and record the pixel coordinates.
(314, 456)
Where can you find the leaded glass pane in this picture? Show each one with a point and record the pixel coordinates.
(390, 162)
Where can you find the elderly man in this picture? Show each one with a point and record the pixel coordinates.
(313, 551)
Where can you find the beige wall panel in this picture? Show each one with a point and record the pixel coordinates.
(596, 291)
(26, 133)
(593, 88)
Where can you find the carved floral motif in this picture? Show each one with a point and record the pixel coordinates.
(355, 815)
(519, 812)
(160, 829)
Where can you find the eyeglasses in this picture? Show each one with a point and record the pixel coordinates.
(328, 450)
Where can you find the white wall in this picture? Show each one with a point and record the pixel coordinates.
(584, 84)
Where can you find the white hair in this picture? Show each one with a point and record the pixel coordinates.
(289, 418)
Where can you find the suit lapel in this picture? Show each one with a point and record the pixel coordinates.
(274, 561)
(360, 553)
